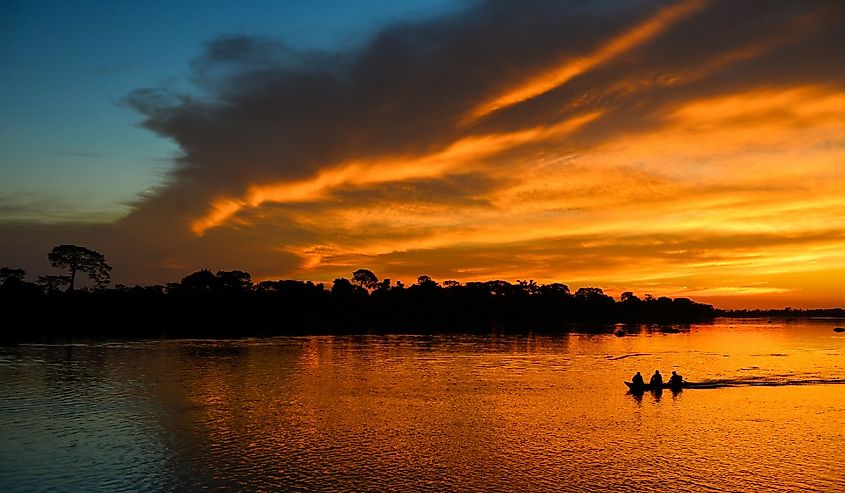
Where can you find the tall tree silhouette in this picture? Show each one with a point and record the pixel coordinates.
(365, 278)
(77, 258)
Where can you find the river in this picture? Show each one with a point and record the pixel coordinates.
(430, 413)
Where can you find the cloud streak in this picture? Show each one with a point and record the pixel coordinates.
(558, 75)
(458, 156)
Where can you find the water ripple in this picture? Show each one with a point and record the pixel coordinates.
(425, 413)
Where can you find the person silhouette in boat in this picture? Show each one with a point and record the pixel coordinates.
(656, 379)
(676, 380)
(637, 380)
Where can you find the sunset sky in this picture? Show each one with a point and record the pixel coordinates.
(692, 148)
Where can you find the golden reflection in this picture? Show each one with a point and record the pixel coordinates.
(365, 410)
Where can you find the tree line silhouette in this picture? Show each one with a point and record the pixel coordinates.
(230, 304)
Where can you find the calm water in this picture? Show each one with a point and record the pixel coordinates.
(430, 413)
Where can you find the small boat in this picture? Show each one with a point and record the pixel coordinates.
(642, 388)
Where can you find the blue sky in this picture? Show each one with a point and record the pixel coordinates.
(69, 149)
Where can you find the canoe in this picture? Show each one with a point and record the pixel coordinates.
(642, 388)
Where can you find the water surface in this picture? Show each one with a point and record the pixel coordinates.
(428, 413)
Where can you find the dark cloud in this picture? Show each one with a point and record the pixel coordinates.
(269, 113)
(458, 190)
(10, 207)
(80, 154)
(27, 207)
(727, 47)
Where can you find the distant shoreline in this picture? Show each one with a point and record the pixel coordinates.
(787, 313)
(228, 305)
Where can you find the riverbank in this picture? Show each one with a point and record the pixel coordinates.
(298, 308)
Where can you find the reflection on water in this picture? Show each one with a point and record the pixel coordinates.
(527, 413)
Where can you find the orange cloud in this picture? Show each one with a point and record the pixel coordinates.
(366, 172)
(745, 176)
(560, 74)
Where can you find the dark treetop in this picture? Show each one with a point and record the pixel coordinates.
(229, 304)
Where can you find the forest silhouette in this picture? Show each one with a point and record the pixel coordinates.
(230, 304)
(226, 304)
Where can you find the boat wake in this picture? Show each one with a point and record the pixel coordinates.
(762, 382)
(632, 355)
